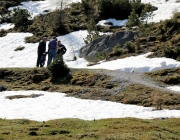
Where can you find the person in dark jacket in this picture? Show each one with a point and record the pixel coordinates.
(61, 48)
(52, 47)
(41, 50)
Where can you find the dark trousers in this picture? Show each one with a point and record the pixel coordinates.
(38, 59)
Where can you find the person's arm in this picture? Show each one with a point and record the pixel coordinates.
(65, 49)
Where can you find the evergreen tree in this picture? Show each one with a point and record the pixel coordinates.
(20, 17)
(133, 19)
(58, 68)
(146, 14)
(93, 33)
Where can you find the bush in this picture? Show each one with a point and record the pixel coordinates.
(137, 6)
(167, 24)
(117, 50)
(175, 39)
(119, 9)
(33, 39)
(20, 17)
(168, 52)
(130, 47)
(3, 32)
(58, 68)
(100, 56)
(175, 17)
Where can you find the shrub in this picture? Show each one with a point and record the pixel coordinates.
(137, 6)
(117, 49)
(147, 13)
(119, 9)
(177, 50)
(101, 56)
(5, 17)
(175, 17)
(167, 24)
(20, 17)
(175, 39)
(85, 4)
(58, 68)
(130, 47)
(158, 101)
(3, 32)
(168, 52)
(33, 39)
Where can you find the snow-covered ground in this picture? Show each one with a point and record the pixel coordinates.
(57, 105)
(166, 8)
(6, 26)
(41, 7)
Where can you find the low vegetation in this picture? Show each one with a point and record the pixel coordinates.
(166, 77)
(90, 84)
(105, 129)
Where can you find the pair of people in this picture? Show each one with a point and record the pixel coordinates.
(54, 48)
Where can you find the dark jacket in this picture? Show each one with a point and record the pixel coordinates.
(62, 50)
(41, 47)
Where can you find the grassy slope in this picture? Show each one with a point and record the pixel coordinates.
(105, 129)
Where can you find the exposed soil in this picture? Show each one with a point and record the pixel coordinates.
(117, 86)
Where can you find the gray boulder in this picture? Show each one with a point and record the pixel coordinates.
(105, 44)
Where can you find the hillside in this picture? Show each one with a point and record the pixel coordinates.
(130, 88)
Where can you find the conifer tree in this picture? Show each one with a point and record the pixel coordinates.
(20, 17)
(93, 33)
(133, 19)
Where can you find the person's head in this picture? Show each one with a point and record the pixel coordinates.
(59, 42)
(44, 39)
(54, 38)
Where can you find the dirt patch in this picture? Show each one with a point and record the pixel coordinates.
(107, 85)
(23, 96)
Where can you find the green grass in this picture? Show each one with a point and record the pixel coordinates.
(105, 129)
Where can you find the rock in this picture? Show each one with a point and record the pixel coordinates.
(45, 88)
(2, 88)
(154, 8)
(105, 44)
(152, 38)
(33, 133)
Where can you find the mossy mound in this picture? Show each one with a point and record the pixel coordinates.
(167, 76)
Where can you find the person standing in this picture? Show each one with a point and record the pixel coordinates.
(61, 48)
(52, 47)
(41, 50)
